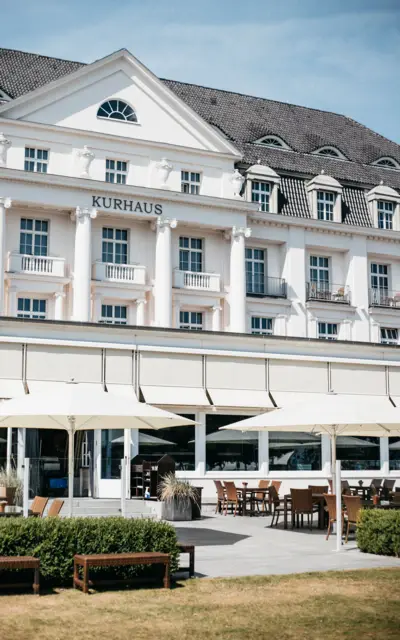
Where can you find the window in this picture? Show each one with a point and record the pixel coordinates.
(358, 454)
(31, 308)
(319, 273)
(113, 314)
(190, 182)
(192, 320)
(329, 151)
(33, 237)
(325, 205)
(327, 330)
(260, 192)
(255, 271)
(389, 336)
(230, 450)
(191, 254)
(117, 110)
(112, 451)
(116, 171)
(379, 276)
(385, 214)
(272, 141)
(387, 162)
(294, 451)
(178, 442)
(261, 326)
(115, 246)
(36, 160)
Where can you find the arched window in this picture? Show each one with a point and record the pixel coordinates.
(272, 141)
(387, 162)
(331, 152)
(117, 110)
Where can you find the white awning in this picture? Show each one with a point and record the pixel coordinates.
(51, 386)
(396, 400)
(242, 398)
(287, 398)
(175, 396)
(125, 390)
(11, 388)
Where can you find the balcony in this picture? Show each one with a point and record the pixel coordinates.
(119, 273)
(36, 265)
(197, 281)
(384, 298)
(327, 292)
(267, 288)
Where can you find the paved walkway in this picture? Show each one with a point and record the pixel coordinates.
(228, 546)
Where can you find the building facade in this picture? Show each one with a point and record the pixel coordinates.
(135, 211)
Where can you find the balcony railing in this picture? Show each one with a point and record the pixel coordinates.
(128, 273)
(384, 298)
(37, 265)
(267, 287)
(198, 281)
(327, 292)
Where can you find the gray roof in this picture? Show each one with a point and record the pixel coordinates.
(244, 119)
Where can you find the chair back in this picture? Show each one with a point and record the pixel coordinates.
(38, 506)
(220, 489)
(301, 499)
(55, 508)
(346, 487)
(353, 507)
(388, 484)
(231, 491)
(330, 500)
(318, 489)
(263, 484)
(273, 495)
(395, 497)
(376, 483)
(330, 486)
(276, 484)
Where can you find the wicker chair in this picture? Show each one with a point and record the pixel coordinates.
(276, 484)
(376, 483)
(55, 508)
(318, 489)
(233, 498)
(302, 504)
(262, 498)
(220, 496)
(387, 488)
(277, 504)
(330, 500)
(38, 506)
(353, 506)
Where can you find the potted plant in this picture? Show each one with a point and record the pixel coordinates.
(10, 486)
(177, 496)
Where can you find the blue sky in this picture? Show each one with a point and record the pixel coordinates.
(339, 55)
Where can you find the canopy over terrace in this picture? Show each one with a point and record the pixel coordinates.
(78, 408)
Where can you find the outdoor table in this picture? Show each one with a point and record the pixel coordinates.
(248, 494)
(317, 497)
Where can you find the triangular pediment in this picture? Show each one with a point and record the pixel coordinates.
(73, 102)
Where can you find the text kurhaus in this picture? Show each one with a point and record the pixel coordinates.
(126, 205)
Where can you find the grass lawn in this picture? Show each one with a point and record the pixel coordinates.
(353, 604)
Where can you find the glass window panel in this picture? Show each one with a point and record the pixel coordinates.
(230, 450)
(394, 454)
(112, 451)
(177, 442)
(294, 451)
(358, 453)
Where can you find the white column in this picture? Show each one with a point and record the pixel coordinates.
(97, 300)
(163, 273)
(237, 287)
(359, 283)
(326, 455)
(176, 314)
(9, 449)
(59, 305)
(21, 450)
(82, 264)
(263, 452)
(296, 274)
(12, 301)
(216, 317)
(5, 203)
(140, 312)
(384, 453)
(200, 443)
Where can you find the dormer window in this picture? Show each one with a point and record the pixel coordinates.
(329, 152)
(387, 163)
(262, 187)
(325, 197)
(272, 141)
(384, 203)
(260, 192)
(117, 110)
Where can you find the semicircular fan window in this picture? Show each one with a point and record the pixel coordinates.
(117, 110)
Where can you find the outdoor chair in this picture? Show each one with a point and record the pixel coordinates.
(220, 496)
(353, 506)
(387, 488)
(376, 483)
(346, 488)
(262, 497)
(232, 498)
(318, 489)
(330, 500)
(277, 504)
(276, 484)
(38, 506)
(55, 508)
(302, 504)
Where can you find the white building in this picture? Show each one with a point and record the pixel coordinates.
(168, 207)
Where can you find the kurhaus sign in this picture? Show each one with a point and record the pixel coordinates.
(135, 206)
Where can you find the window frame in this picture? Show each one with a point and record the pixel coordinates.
(320, 269)
(33, 160)
(326, 205)
(34, 234)
(31, 313)
(379, 276)
(389, 339)
(113, 318)
(192, 252)
(252, 275)
(327, 335)
(262, 331)
(189, 184)
(110, 116)
(191, 323)
(261, 196)
(385, 212)
(114, 242)
(120, 174)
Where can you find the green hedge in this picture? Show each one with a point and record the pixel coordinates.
(378, 531)
(56, 540)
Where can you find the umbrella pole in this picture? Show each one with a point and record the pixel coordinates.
(333, 460)
(71, 431)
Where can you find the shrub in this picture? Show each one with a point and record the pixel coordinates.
(55, 541)
(378, 531)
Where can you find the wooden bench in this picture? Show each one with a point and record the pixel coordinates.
(187, 548)
(117, 560)
(21, 562)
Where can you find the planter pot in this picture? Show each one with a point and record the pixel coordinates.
(8, 493)
(177, 510)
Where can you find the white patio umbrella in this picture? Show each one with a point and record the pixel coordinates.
(78, 409)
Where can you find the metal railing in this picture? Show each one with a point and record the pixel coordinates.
(197, 280)
(328, 292)
(41, 265)
(384, 298)
(267, 287)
